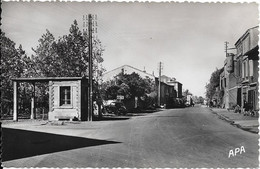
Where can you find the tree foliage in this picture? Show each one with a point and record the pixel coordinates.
(185, 94)
(213, 83)
(198, 99)
(12, 66)
(67, 56)
(129, 85)
(64, 57)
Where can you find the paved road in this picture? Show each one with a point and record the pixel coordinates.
(190, 137)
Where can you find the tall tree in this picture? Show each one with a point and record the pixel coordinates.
(67, 56)
(46, 60)
(72, 49)
(12, 66)
(213, 83)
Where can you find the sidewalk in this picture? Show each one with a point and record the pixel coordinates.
(247, 123)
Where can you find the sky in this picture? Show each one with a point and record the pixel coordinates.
(188, 38)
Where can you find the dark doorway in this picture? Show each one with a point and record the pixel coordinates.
(239, 97)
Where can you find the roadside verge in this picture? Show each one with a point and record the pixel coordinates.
(246, 123)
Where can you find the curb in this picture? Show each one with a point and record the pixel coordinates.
(223, 117)
(249, 129)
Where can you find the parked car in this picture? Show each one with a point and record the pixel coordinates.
(116, 107)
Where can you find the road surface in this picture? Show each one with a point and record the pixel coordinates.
(190, 137)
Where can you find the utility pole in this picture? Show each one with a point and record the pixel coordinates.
(159, 86)
(226, 47)
(91, 27)
(90, 69)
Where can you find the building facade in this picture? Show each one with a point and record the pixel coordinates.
(68, 97)
(247, 71)
(239, 79)
(228, 84)
(172, 82)
(170, 91)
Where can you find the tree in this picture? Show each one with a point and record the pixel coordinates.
(112, 92)
(47, 62)
(12, 66)
(138, 86)
(67, 56)
(130, 86)
(213, 83)
(200, 100)
(185, 94)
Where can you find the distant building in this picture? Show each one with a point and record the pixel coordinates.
(170, 88)
(126, 69)
(177, 86)
(172, 82)
(189, 100)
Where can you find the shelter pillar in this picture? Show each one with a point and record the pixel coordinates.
(50, 97)
(15, 103)
(33, 113)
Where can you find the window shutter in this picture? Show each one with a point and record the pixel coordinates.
(243, 70)
(251, 68)
(247, 68)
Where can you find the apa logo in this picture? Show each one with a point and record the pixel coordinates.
(236, 151)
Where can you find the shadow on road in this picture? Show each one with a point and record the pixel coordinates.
(167, 116)
(161, 116)
(22, 143)
(111, 118)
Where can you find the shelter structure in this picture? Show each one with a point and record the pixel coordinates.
(68, 97)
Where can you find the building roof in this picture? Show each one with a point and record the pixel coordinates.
(46, 79)
(130, 67)
(169, 79)
(243, 36)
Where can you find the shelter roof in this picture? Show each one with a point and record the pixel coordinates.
(46, 79)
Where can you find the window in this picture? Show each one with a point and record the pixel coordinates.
(239, 48)
(245, 69)
(251, 68)
(239, 68)
(252, 98)
(246, 44)
(65, 93)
